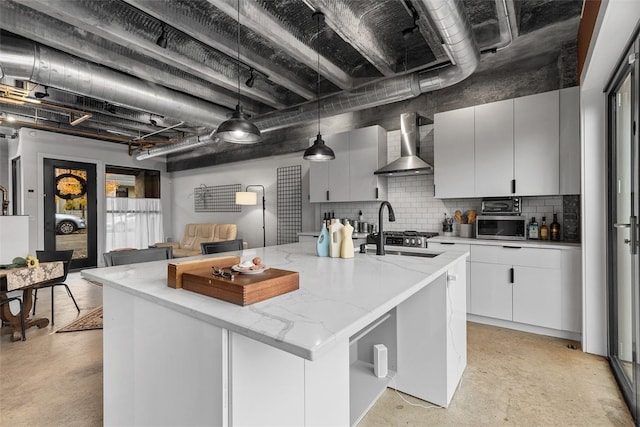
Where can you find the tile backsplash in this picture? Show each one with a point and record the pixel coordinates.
(415, 206)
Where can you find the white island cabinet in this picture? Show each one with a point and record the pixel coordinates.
(174, 357)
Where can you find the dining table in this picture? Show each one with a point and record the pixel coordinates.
(25, 279)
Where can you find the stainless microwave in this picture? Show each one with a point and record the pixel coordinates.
(501, 227)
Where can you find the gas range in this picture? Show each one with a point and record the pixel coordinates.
(410, 238)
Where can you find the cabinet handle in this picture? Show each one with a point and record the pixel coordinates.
(512, 274)
(513, 186)
(511, 247)
(447, 243)
(327, 194)
(377, 195)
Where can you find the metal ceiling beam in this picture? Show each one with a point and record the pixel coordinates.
(353, 29)
(44, 29)
(170, 13)
(262, 22)
(116, 31)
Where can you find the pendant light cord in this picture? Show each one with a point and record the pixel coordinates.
(318, 16)
(238, 40)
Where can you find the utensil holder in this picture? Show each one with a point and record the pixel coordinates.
(467, 230)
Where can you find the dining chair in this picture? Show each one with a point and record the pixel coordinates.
(7, 300)
(50, 256)
(223, 246)
(134, 256)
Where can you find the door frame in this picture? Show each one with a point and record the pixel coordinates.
(49, 166)
(628, 387)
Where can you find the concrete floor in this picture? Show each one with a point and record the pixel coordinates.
(512, 378)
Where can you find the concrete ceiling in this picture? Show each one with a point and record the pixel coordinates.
(188, 49)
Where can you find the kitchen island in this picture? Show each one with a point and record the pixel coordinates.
(175, 357)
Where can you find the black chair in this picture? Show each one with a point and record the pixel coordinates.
(223, 246)
(7, 300)
(134, 256)
(50, 256)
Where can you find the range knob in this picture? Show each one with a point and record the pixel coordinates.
(413, 242)
(419, 242)
(406, 242)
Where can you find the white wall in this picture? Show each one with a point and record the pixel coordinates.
(35, 145)
(616, 22)
(249, 221)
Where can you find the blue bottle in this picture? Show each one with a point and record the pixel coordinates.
(322, 245)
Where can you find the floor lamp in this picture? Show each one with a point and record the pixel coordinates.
(251, 198)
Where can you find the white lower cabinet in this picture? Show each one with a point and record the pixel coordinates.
(524, 285)
(491, 292)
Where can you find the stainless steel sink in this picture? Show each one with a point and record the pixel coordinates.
(369, 248)
(407, 253)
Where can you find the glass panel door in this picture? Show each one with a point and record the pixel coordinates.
(70, 210)
(622, 235)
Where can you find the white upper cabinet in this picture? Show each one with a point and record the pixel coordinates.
(494, 148)
(453, 151)
(537, 144)
(349, 177)
(570, 140)
(367, 153)
(527, 146)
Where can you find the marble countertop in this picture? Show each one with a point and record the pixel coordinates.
(337, 297)
(545, 244)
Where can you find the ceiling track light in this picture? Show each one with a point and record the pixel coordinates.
(238, 129)
(44, 94)
(252, 78)
(319, 151)
(162, 40)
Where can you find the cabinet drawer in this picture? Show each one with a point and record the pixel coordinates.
(513, 254)
(444, 246)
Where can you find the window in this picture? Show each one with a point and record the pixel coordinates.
(133, 208)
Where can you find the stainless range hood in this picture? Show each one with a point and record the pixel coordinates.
(409, 163)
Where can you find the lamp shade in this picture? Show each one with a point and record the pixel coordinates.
(319, 151)
(238, 129)
(246, 198)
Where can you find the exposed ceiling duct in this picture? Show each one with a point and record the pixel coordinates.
(448, 18)
(26, 60)
(104, 58)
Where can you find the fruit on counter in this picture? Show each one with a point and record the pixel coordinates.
(257, 261)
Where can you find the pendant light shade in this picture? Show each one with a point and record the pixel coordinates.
(238, 129)
(319, 151)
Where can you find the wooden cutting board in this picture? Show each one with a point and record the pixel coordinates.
(178, 268)
(244, 289)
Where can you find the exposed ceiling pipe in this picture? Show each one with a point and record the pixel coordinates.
(29, 61)
(450, 20)
(186, 144)
(26, 60)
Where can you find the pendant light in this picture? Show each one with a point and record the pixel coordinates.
(238, 129)
(319, 151)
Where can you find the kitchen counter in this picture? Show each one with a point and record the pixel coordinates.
(170, 348)
(523, 243)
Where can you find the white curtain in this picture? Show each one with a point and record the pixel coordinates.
(133, 223)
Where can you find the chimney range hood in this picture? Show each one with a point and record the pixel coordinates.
(409, 163)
